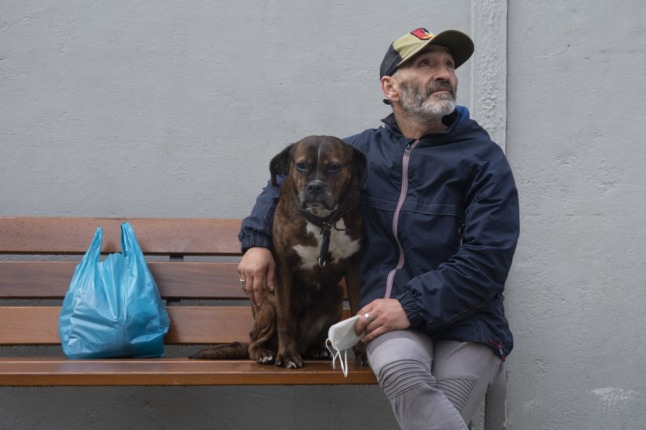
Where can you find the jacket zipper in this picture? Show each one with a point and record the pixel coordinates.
(402, 196)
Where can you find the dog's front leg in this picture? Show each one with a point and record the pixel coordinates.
(288, 355)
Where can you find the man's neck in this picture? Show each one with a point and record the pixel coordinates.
(416, 128)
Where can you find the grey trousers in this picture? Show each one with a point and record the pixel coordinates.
(432, 385)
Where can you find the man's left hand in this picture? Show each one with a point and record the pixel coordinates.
(379, 317)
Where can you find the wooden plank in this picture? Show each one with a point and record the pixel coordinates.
(72, 235)
(29, 325)
(170, 371)
(41, 279)
(208, 324)
(197, 280)
(177, 280)
(38, 325)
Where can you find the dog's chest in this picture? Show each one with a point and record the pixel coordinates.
(341, 245)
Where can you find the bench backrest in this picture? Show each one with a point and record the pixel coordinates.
(193, 261)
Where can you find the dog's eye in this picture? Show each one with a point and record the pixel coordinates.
(333, 168)
(301, 167)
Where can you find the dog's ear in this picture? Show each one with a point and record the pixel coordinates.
(279, 165)
(360, 165)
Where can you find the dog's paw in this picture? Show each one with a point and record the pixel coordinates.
(294, 364)
(319, 353)
(263, 356)
(360, 355)
(290, 361)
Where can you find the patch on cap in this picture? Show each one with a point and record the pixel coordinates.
(422, 34)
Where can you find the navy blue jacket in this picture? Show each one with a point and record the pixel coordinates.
(441, 225)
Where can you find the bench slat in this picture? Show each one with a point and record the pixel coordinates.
(38, 325)
(187, 280)
(169, 371)
(50, 235)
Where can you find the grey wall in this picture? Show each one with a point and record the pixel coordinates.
(578, 287)
(175, 108)
(133, 108)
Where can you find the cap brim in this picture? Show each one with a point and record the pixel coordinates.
(459, 45)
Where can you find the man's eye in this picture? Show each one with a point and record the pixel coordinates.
(301, 167)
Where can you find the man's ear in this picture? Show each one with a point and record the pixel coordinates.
(279, 165)
(390, 88)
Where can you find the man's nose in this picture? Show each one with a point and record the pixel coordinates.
(444, 73)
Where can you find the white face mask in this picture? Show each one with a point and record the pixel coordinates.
(340, 338)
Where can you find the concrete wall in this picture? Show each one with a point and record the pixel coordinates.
(175, 108)
(578, 287)
(133, 108)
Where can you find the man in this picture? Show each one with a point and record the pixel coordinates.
(441, 221)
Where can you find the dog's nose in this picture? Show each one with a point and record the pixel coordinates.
(315, 187)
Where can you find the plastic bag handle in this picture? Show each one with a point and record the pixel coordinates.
(93, 252)
(129, 244)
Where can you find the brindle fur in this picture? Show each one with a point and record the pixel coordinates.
(323, 175)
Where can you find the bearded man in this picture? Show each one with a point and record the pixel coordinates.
(441, 218)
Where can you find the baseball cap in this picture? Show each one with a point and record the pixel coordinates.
(406, 47)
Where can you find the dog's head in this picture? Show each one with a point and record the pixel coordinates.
(321, 170)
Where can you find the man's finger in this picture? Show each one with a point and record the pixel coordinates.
(271, 278)
(257, 289)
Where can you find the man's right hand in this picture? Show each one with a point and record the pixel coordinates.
(258, 271)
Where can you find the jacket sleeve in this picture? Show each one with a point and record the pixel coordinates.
(468, 282)
(256, 228)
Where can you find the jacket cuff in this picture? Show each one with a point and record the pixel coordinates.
(413, 311)
(253, 241)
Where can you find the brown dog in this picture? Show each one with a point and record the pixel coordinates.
(317, 232)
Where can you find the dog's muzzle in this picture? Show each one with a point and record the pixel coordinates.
(316, 197)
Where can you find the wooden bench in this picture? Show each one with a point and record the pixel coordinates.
(194, 264)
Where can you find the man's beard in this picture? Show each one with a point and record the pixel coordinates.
(419, 103)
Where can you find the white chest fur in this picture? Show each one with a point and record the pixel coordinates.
(341, 245)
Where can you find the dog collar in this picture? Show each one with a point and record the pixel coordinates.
(325, 224)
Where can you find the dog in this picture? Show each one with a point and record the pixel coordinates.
(317, 237)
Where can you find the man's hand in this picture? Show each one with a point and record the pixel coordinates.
(257, 270)
(379, 317)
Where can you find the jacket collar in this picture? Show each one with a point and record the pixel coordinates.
(450, 120)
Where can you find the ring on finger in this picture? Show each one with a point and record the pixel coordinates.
(368, 317)
(242, 282)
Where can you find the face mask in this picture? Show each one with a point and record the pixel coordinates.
(341, 337)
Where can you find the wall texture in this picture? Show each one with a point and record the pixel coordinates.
(141, 109)
(578, 287)
(134, 108)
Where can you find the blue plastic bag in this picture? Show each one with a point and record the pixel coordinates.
(113, 307)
